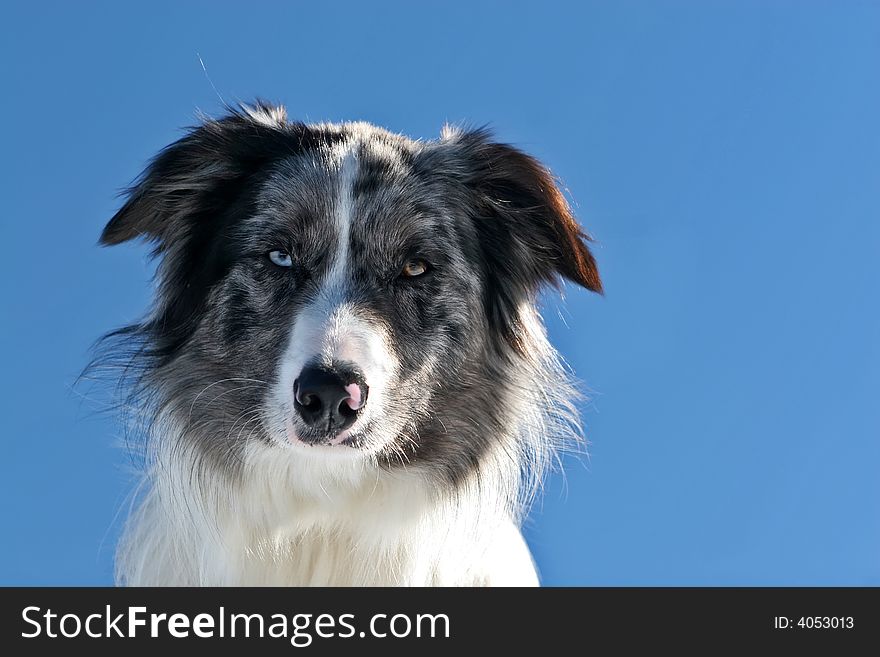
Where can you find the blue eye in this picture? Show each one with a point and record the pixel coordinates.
(281, 258)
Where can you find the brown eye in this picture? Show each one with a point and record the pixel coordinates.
(414, 268)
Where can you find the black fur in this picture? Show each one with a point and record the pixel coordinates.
(488, 219)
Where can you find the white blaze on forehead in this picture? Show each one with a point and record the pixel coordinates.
(345, 158)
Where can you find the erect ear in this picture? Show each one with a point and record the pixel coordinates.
(197, 174)
(527, 231)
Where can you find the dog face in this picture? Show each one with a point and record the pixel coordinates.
(343, 291)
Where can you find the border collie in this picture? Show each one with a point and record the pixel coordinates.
(344, 378)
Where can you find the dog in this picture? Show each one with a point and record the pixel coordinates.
(344, 378)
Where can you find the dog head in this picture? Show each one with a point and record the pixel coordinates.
(345, 291)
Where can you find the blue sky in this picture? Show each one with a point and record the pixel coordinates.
(725, 155)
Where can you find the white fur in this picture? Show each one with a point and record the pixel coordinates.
(297, 518)
(347, 164)
(309, 516)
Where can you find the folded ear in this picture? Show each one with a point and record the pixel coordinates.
(197, 174)
(528, 215)
(527, 231)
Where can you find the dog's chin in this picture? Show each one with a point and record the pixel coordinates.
(345, 444)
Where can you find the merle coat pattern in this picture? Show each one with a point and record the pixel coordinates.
(467, 401)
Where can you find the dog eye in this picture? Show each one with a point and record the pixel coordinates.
(281, 258)
(414, 268)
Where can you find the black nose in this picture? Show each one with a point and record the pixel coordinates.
(329, 398)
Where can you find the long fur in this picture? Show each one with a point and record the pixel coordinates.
(435, 494)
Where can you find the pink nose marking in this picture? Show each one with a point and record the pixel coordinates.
(354, 400)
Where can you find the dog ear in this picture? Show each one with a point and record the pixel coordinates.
(527, 231)
(527, 214)
(197, 174)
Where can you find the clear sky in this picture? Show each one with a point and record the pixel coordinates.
(726, 156)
